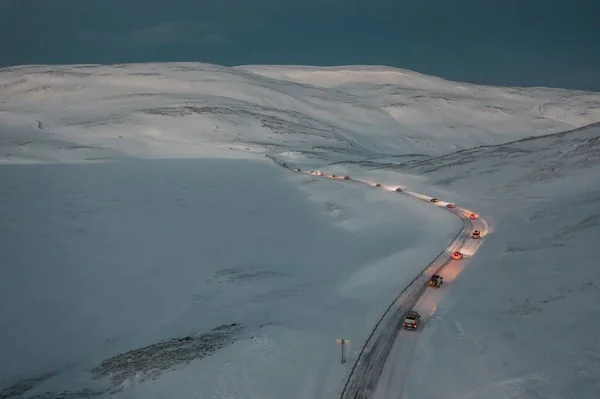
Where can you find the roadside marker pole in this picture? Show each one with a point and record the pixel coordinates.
(343, 342)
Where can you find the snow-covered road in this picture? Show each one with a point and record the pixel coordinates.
(395, 371)
(382, 365)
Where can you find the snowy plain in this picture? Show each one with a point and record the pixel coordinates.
(123, 243)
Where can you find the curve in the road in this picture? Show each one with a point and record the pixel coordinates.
(364, 378)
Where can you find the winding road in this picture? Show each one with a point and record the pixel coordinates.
(372, 375)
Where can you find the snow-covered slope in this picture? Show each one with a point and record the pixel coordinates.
(125, 275)
(522, 319)
(181, 110)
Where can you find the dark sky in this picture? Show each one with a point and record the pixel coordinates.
(552, 43)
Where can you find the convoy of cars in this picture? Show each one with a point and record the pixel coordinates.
(412, 319)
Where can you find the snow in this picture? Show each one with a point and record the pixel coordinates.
(184, 109)
(522, 319)
(137, 209)
(108, 257)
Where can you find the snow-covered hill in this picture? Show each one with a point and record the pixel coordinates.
(181, 110)
(227, 277)
(522, 320)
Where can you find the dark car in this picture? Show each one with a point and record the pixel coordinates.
(434, 200)
(435, 281)
(399, 189)
(476, 234)
(378, 185)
